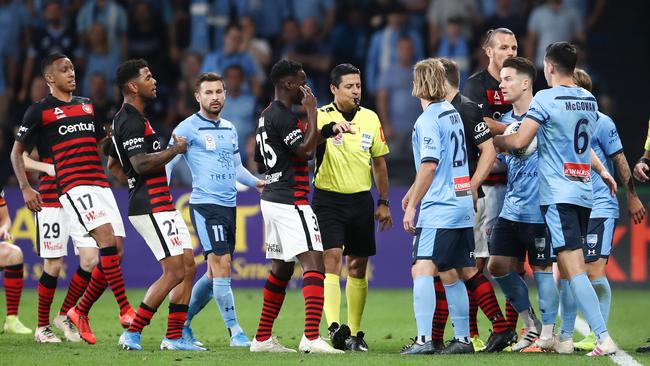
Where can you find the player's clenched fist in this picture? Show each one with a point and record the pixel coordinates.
(180, 144)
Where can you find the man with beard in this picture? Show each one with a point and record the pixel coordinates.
(213, 157)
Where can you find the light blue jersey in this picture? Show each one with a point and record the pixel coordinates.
(606, 143)
(521, 203)
(438, 137)
(213, 157)
(565, 115)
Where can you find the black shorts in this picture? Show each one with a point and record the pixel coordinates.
(516, 239)
(567, 225)
(600, 239)
(447, 248)
(346, 221)
(215, 227)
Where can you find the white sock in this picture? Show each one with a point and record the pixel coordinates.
(547, 331)
(528, 317)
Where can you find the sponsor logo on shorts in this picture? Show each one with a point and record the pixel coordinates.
(540, 245)
(592, 240)
(462, 186)
(50, 245)
(94, 215)
(591, 252)
(273, 248)
(578, 172)
(175, 241)
(540, 256)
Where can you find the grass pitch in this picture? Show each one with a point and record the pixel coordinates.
(388, 323)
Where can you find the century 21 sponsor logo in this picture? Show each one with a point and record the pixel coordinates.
(77, 127)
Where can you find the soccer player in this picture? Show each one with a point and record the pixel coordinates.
(54, 228)
(150, 209)
(642, 168)
(519, 230)
(67, 124)
(483, 88)
(563, 115)
(11, 259)
(215, 163)
(443, 235)
(602, 222)
(291, 231)
(344, 205)
(480, 156)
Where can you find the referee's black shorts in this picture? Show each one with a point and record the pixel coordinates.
(346, 221)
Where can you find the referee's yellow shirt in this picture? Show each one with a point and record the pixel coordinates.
(343, 163)
(647, 140)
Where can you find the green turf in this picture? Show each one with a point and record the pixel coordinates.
(388, 323)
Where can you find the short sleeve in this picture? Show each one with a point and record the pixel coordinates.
(480, 132)
(289, 128)
(132, 137)
(536, 111)
(379, 146)
(30, 127)
(609, 139)
(235, 141)
(429, 142)
(183, 129)
(322, 118)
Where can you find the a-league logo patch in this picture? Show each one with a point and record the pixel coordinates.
(540, 244)
(210, 144)
(592, 240)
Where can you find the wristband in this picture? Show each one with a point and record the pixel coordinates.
(328, 130)
(644, 160)
(383, 202)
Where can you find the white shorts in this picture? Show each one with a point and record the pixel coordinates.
(93, 206)
(165, 232)
(289, 230)
(53, 228)
(488, 209)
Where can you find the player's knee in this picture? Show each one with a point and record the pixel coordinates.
(104, 236)
(15, 255)
(496, 269)
(175, 275)
(190, 269)
(88, 262)
(52, 266)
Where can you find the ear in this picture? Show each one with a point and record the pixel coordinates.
(196, 96)
(48, 78)
(333, 89)
(132, 87)
(489, 52)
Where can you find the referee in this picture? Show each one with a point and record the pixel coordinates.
(343, 203)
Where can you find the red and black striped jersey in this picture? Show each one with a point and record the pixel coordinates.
(47, 187)
(279, 133)
(133, 135)
(69, 132)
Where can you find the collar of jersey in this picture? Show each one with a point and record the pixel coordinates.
(216, 124)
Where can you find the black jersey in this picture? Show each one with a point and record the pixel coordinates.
(69, 133)
(133, 135)
(278, 135)
(476, 130)
(484, 90)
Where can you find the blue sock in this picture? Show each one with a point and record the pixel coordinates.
(569, 310)
(549, 298)
(222, 293)
(604, 292)
(515, 289)
(458, 303)
(587, 301)
(201, 295)
(424, 304)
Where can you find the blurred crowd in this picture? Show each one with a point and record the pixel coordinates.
(241, 39)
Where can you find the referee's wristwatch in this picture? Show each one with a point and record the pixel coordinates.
(383, 202)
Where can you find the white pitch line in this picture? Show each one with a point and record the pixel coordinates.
(621, 357)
